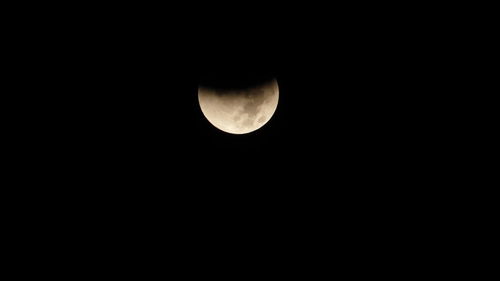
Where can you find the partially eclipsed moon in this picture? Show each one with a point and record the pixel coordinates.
(239, 111)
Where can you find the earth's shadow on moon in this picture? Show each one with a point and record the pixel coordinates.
(230, 80)
(253, 101)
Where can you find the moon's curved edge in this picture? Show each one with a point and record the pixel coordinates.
(205, 113)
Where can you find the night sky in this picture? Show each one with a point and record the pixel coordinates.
(348, 92)
(343, 148)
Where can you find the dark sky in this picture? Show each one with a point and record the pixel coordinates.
(347, 90)
(344, 143)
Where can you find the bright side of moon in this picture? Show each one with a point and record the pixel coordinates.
(239, 111)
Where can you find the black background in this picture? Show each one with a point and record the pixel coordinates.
(124, 86)
(349, 87)
(125, 141)
(115, 164)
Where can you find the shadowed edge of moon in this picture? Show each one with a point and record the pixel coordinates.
(239, 111)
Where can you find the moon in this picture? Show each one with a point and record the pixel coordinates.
(239, 111)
